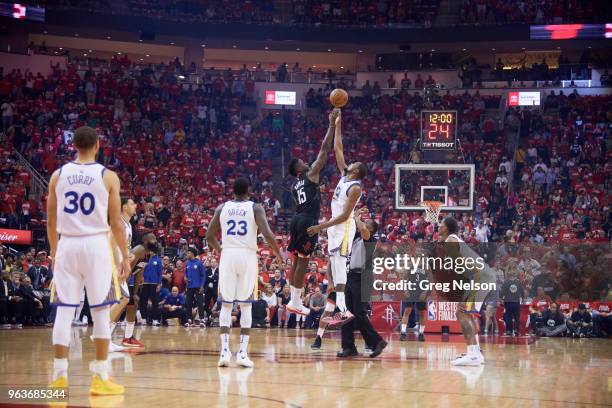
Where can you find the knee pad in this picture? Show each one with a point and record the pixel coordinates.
(339, 269)
(225, 315)
(246, 315)
(62, 326)
(101, 322)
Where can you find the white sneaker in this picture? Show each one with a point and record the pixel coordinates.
(114, 348)
(225, 359)
(467, 360)
(298, 309)
(156, 323)
(243, 360)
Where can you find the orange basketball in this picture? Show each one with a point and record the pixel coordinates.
(338, 97)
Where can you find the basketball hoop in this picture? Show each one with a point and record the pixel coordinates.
(432, 211)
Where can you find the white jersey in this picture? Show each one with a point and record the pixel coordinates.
(82, 200)
(127, 227)
(238, 227)
(341, 196)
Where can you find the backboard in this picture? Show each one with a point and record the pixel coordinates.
(451, 184)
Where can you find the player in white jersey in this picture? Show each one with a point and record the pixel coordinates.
(239, 221)
(471, 300)
(83, 200)
(128, 210)
(341, 228)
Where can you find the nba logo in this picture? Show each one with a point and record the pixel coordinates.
(431, 310)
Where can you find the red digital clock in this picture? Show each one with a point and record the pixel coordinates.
(438, 130)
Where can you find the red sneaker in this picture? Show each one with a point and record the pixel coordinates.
(339, 319)
(132, 342)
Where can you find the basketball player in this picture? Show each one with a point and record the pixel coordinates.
(83, 200)
(239, 221)
(128, 210)
(307, 195)
(472, 301)
(342, 227)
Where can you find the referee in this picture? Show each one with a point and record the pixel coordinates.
(361, 261)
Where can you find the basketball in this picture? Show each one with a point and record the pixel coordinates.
(338, 97)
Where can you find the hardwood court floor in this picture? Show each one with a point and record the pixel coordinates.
(178, 368)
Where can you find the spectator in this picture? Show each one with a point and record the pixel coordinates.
(271, 301)
(482, 232)
(173, 306)
(602, 320)
(16, 302)
(212, 286)
(6, 289)
(540, 303)
(391, 82)
(554, 322)
(580, 323)
(33, 305)
(406, 83)
(8, 109)
(316, 305)
(39, 275)
(195, 276)
(178, 276)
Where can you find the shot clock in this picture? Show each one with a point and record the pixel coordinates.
(438, 130)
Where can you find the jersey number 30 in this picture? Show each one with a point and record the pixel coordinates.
(242, 225)
(86, 203)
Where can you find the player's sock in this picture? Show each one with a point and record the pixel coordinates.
(472, 350)
(421, 328)
(320, 332)
(129, 329)
(113, 325)
(244, 344)
(340, 302)
(404, 327)
(60, 368)
(296, 294)
(100, 367)
(225, 341)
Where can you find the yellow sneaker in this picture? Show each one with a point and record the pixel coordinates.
(60, 382)
(100, 387)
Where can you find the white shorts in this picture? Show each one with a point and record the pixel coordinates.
(238, 275)
(85, 262)
(340, 238)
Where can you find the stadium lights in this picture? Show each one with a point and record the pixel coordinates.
(266, 48)
(341, 67)
(203, 45)
(181, 77)
(147, 55)
(329, 50)
(61, 48)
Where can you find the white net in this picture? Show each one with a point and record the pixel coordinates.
(432, 211)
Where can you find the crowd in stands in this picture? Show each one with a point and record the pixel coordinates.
(527, 12)
(177, 148)
(341, 13)
(365, 13)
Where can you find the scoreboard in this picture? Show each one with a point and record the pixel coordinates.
(438, 130)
